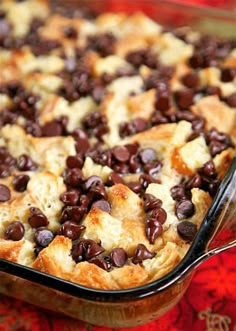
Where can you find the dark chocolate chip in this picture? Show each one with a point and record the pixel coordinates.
(184, 209)
(73, 177)
(101, 263)
(151, 202)
(184, 98)
(102, 204)
(136, 187)
(5, 193)
(141, 254)
(231, 100)
(74, 213)
(52, 129)
(114, 178)
(36, 218)
(190, 80)
(75, 161)
(178, 192)
(43, 237)
(153, 229)
(15, 231)
(147, 155)
(208, 169)
(228, 74)
(20, 182)
(118, 257)
(71, 230)
(157, 213)
(187, 230)
(92, 181)
(194, 181)
(70, 198)
(121, 153)
(25, 163)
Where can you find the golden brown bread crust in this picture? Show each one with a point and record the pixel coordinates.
(116, 86)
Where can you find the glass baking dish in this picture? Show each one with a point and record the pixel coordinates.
(135, 306)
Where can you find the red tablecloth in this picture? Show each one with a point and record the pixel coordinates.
(208, 305)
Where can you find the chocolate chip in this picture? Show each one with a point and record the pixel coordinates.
(97, 192)
(82, 145)
(103, 205)
(190, 80)
(118, 257)
(132, 148)
(196, 60)
(142, 57)
(75, 161)
(103, 43)
(147, 155)
(152, 168)
(15, 231)
(151, 202)
(70, 198)
(25, 163)
(71, 230)
(231, 100)
(121, 153)
(228, 74)
(162, 102)
(216, 147)
(157, 213)
(5, 171)
(136, 187)
(141, 254)
(139, 124)
(84, 200)
(92, 181)
(33, 128)
(6, 158)
(70, 32)
(36, 218)
(213, 90)
(153, 229)
(178, 192)
(184, 98)
(208, 169)
(20, 182)
(85, 249)
(52, 129)
(194, 181)
(92, 249)
(101, 263)
(43, 237)
(114, 178)
(73, 177)
(184, 209)
(134, 164)
(5, 193)
(187, 230)
(74, 213)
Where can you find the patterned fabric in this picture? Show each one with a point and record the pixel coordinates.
(208, 305)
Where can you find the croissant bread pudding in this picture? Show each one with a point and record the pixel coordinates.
(114, 136)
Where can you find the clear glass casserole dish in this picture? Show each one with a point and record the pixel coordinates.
(125, 308)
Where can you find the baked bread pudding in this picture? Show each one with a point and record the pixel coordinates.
(115, 134)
